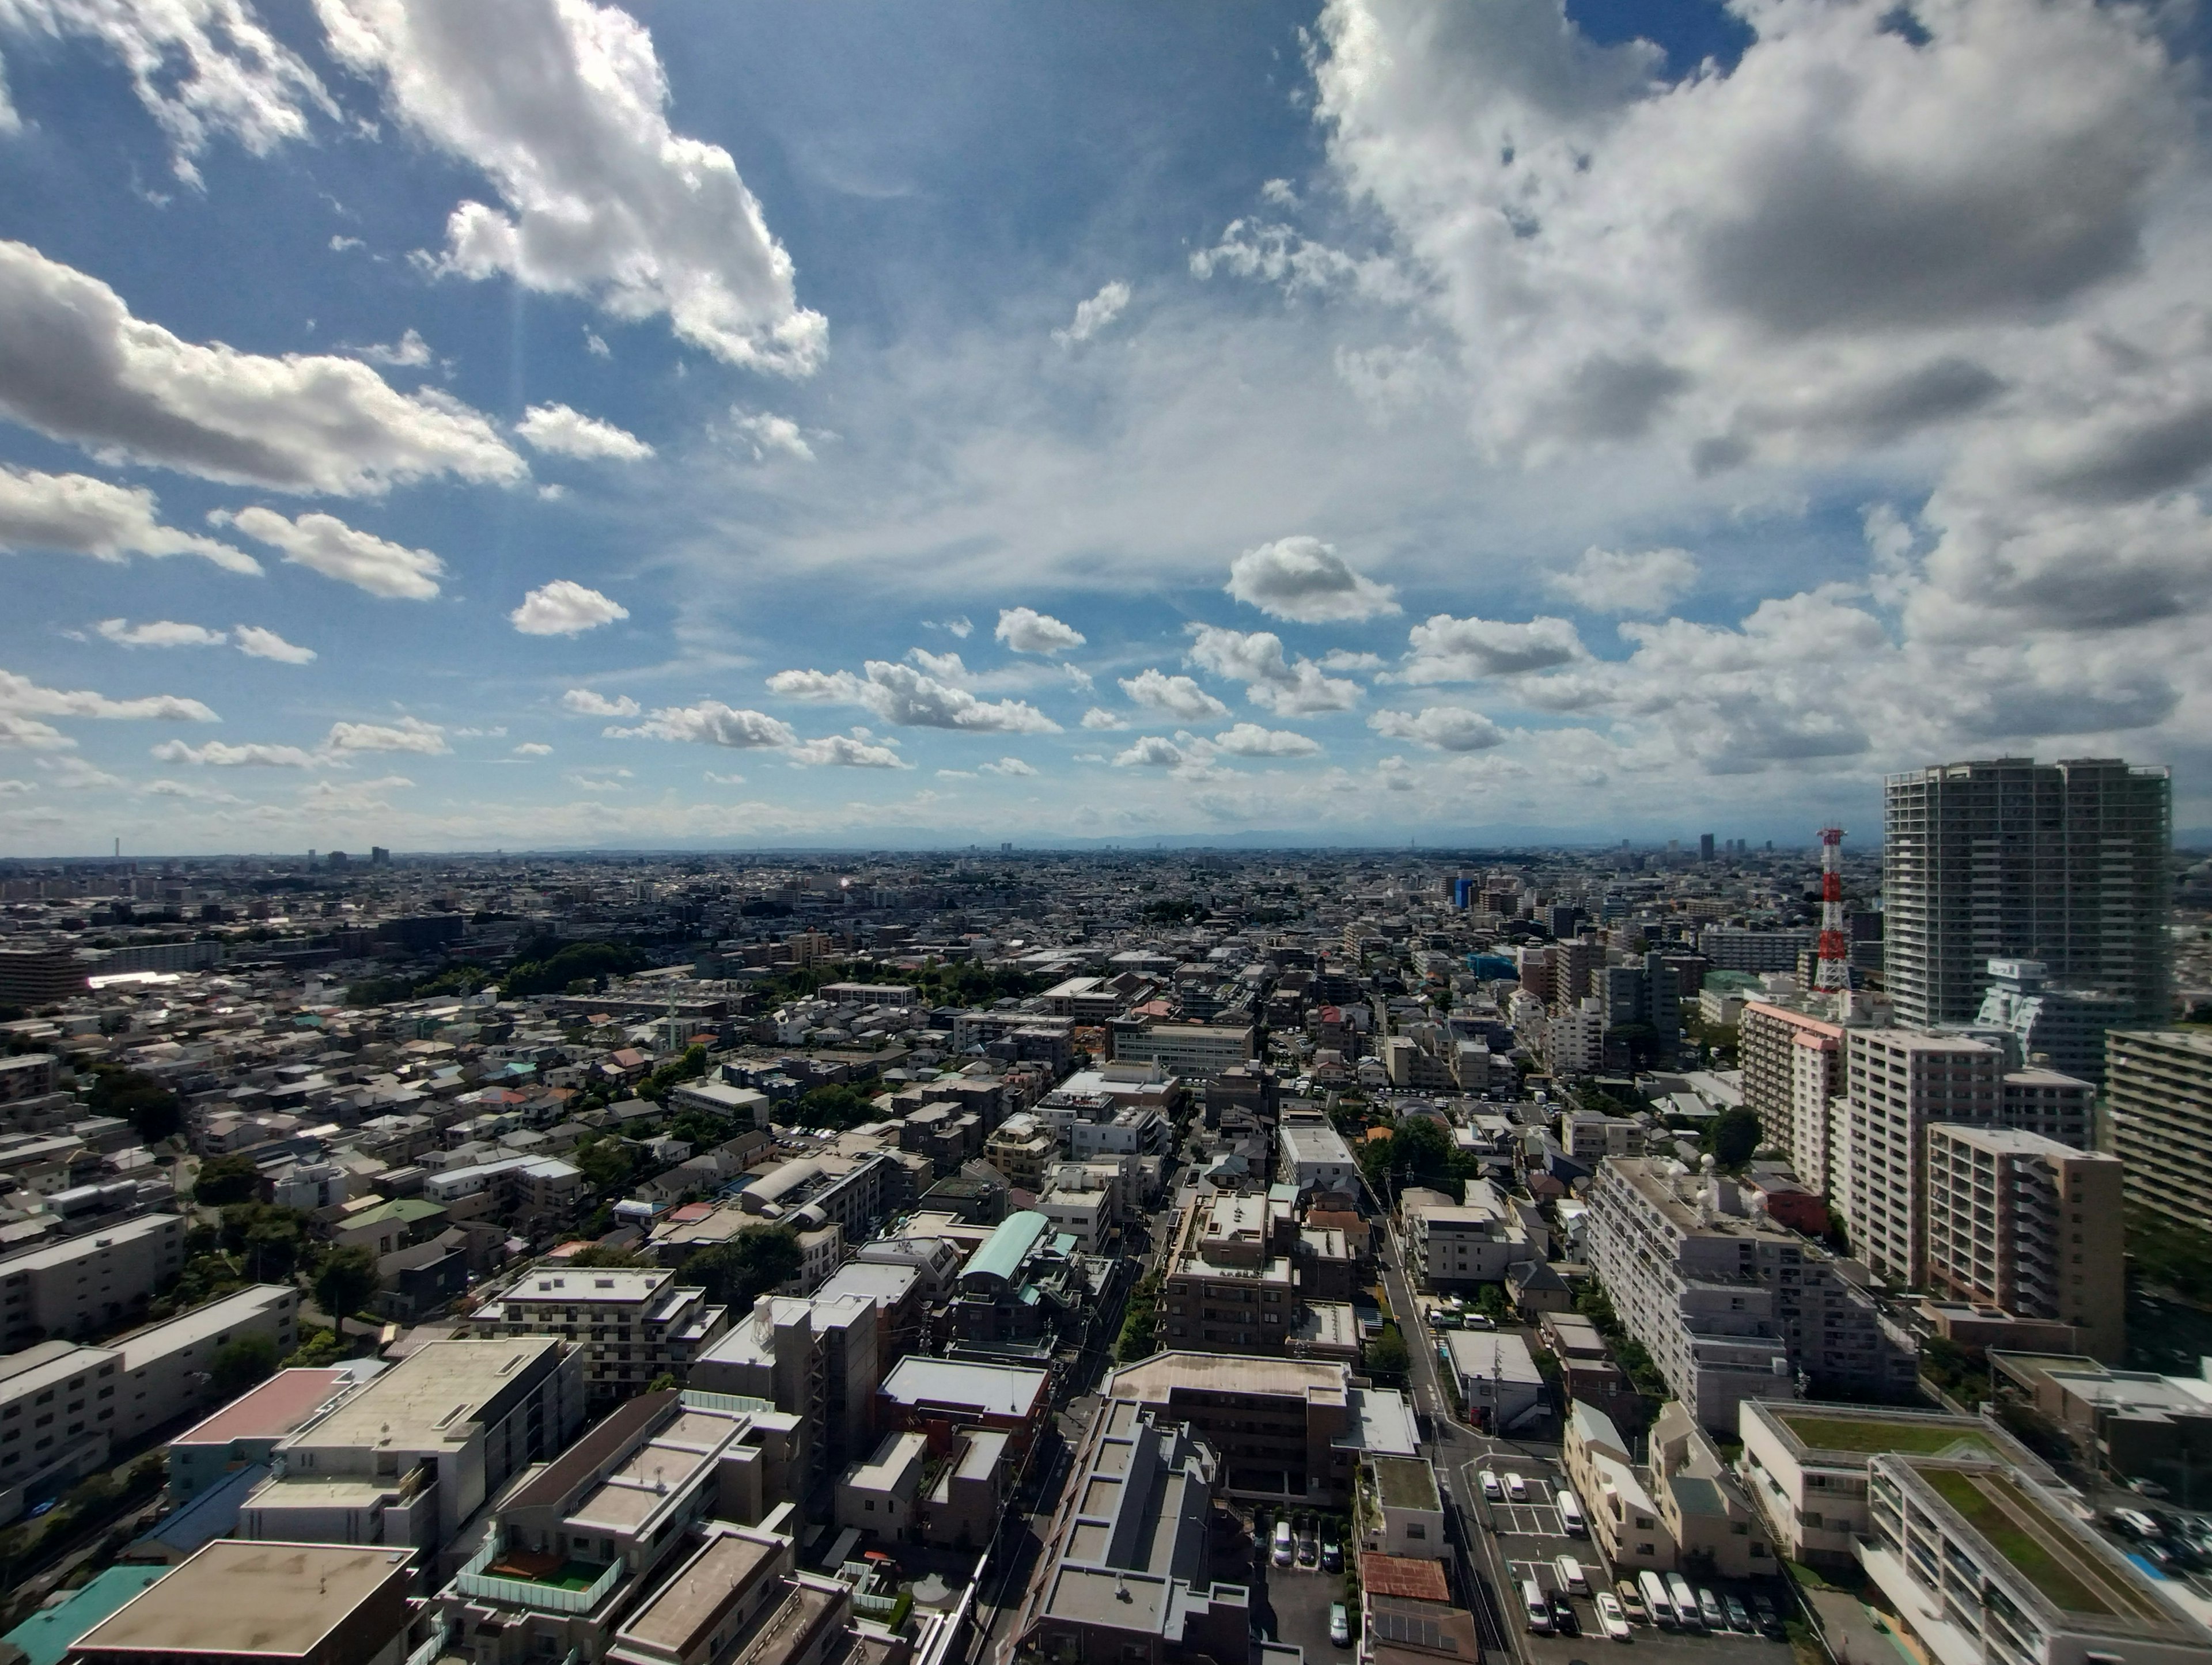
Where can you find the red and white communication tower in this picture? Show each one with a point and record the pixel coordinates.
(1834, 974)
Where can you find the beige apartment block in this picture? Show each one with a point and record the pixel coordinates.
(2021, 1222)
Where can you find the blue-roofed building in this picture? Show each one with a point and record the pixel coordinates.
(47, 1635)
(211, 1514)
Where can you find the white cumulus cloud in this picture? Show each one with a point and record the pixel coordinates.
(200, 67)
(534, 749)
(218, 754)
(1007, 766)
(1028, 631)
(589, 702)
(567, 433)
(854, 750)
(160, 632)
(1448, 649)
(770, 435)
(21, 697)
(1642, 581)
(1252, 740)
(408, 734)
(710, 723)
(76, 514)
(1446, 727)
(564, 608)
(258, 643)
(1095, 314)
(1306, 582)
(325, 544)
(76, 366)
(1177, 696)
(905, 697)
(1272, 680)
(563, 105)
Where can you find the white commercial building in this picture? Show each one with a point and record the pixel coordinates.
(1314, 1158)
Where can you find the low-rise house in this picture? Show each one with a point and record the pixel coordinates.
(1401, 1510)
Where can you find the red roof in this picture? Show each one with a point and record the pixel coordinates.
(692, 1211)
(1403, 1575)
(268, 1412)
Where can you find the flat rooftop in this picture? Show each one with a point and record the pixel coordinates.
(2067, 1565)
(432, 1396)
(244, 1598)
(1155, 1380)
(694, 1601)
(994, 1389)
(1834, 1429)
(276, 1408)
(1406, 1483)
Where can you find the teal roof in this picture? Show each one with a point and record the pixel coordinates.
(1004, 1251)
(45, 1636)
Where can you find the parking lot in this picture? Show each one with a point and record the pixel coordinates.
(1531, 1539)
(1291, 1604)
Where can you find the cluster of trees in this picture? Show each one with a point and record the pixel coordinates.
(544, 966)
(1635, 1360)
(833, 1106)
(1732, 1137)
(1418, 1152)
(150, 1108)
(690, 1067)
(390, 991)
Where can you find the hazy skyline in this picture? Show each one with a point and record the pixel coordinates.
(462, 423)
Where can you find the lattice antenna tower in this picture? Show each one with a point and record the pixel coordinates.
(1834, 974)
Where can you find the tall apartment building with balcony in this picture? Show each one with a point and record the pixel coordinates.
(1230, 1286)
(2023, 1223)
(1730, 1305)
(2158, 1089)
(633, 1326)
(2065, 863)
(1900, 1083)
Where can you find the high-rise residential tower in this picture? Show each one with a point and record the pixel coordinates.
(2065, 863)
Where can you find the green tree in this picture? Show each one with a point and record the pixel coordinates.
(1732, 1137)
(1140, 1324)
(690, 1067)
(345, 1282)
(737, 1273)
(242, 1363)
(150, 1108)
(227, 1180)
(833, 1106)
(605, 1163)
(269, 1238)
(1387, 1358)
(585, 962)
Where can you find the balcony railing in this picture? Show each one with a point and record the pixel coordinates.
(441, 1632)
(542, 1597)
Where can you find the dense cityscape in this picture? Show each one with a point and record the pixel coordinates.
(1012, 1257)
(951, 832)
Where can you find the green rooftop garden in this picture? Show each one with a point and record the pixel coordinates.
(1967, 1493)
(1872, 1434)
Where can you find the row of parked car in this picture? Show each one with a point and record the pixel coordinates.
(1300, 1542)
(2170, 1542)
(1647, 1598)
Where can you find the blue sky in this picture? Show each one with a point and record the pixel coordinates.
(536, 422)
